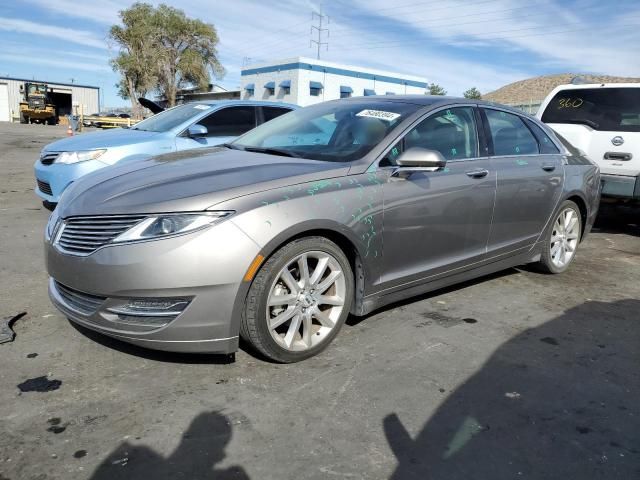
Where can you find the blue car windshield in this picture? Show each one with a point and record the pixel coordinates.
(165, 121)
(339, 131)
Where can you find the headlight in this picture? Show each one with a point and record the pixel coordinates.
(171, 224)
(75, 157)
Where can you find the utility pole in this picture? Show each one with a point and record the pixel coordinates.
(320, 31)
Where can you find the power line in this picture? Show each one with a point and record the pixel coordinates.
(488, 20)
(319, 43)
(373, 46)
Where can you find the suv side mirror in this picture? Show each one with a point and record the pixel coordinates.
(196, 131)
(417, 159)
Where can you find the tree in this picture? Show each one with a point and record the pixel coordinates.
(435, 89)
(473, 93)
(137, 57)
(162, 49)
(187, 51)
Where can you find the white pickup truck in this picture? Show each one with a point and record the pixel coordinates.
(602, 120)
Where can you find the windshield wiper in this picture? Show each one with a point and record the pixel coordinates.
(586, 121)
(271, 151)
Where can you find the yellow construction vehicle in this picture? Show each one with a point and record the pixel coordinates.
(36, 107)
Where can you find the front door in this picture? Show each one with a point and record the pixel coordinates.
(437, 223)
(529, 183)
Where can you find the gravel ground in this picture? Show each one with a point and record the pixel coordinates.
(517, 375)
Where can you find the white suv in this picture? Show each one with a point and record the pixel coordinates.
(602, 120)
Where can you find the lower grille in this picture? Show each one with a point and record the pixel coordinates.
(84, 235)
(79, 301)
(44, 187)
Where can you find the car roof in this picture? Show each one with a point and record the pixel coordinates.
(431, 100)
(227, 103)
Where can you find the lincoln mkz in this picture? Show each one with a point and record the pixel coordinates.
(334, 209)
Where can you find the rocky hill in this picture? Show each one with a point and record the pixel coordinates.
(535, 90)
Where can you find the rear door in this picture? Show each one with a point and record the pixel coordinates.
(529, 181)
(223, 125)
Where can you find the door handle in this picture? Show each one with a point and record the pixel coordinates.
(548, 167)
(479, 173)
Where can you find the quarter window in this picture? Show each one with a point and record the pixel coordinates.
(230, 121)
(510, 135)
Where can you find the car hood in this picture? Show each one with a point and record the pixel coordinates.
(104, 139)
(188, 181)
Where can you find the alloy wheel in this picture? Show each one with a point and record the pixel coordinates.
(306, 300)
(564, 237)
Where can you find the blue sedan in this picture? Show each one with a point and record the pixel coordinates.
(185, 127)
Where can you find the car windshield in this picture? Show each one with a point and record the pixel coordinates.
(606, 109)
(334, 131)
(164, 121)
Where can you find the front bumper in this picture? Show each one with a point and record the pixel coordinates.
(206, 267)
(51, 180)
(621, 186)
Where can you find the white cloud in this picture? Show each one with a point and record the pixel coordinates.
(102, 11)
(63, 64)
(457, 43)
(81, 37)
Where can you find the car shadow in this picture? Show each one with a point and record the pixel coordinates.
(613, 218)
(559, 401)
(201, 448)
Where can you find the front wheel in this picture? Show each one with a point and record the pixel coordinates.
(562, 239)
(298, 300)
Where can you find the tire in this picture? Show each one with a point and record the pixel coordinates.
(309, 323)
(551, 260)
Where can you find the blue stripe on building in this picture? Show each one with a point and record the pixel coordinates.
(333, 70)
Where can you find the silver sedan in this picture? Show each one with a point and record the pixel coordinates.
(335, 209)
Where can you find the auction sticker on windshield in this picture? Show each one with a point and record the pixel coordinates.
(379, 114)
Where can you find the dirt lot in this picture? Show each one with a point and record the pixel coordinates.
(519, 375)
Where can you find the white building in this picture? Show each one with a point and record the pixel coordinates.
(65, 96)
(304, 81)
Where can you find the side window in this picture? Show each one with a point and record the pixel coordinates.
(452, 132)
(230, 121)
(269, 113)
(510, 135)
(545, 143)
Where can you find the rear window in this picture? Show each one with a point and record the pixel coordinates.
(605, 109)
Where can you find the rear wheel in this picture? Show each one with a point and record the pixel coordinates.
(298, 300)
(562, 239)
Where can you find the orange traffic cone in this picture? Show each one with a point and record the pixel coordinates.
(69, 131)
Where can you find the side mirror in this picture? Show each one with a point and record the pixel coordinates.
(416, 159)
(196, 131)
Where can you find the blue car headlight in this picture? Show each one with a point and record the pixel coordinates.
(160, 226)
(83, 156)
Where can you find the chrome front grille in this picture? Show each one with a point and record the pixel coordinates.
(81, 302)
(84, 235)
(44, 187)
(47, 158)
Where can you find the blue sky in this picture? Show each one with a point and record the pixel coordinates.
(456, 43)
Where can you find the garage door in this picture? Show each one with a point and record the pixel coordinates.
(4, 103)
